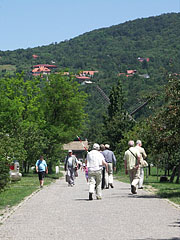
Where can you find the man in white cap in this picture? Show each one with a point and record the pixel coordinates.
(111, 161)
(132, 165)
(70, 165)
(95, 161)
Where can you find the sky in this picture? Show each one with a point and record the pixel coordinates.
(32, 23)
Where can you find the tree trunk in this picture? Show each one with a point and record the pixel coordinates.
(149, 167)
(173, 174)
(178, 169)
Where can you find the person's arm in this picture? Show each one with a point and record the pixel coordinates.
(125, 166)
(65, 163)
(114, 162)
(46, 170)
(138, 161)
(36, 166)
(144, 155)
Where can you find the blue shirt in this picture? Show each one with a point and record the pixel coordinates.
(41, 165)
(109, 156)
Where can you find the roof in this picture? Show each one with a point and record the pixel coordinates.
(35, 56)
(89, 72)
(45, 65)
(41, 69)
(76, 145)
(131, 71)
(83, 77)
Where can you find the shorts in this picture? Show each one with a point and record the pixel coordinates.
(41, 175)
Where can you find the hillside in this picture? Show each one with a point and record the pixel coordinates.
(112, 51)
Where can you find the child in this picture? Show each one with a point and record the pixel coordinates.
(86, 173)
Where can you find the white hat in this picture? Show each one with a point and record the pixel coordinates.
(96, 146)
(107, 146)
(69, 151)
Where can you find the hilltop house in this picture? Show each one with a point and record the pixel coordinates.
(88, 73)
(42, 69)
(141, 59)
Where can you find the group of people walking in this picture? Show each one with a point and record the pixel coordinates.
(134, 164)
(99, 167)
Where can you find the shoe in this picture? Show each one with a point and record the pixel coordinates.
(99, 198)
(140, 187)
(133, 189)
(111, 185)
(90, 196)
(107, 187)
(41, 186)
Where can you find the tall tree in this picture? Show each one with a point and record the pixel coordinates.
(117, 121)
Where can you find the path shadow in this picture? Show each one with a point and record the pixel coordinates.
(175, 224)
(157, 238)
(82, 199)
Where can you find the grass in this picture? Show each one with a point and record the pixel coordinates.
(167, 190)
(18, 190)
(8, 68)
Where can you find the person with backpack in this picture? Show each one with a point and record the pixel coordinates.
(132, 165)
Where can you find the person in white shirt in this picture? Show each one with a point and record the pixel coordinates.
(132, 162)
(95, 161)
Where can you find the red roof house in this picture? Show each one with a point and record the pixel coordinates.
(40, 70)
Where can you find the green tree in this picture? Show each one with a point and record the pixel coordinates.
(64, 115)
(117, 121)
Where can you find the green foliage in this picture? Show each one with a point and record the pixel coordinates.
(38, 116)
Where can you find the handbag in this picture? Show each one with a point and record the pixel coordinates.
(76, 173)
(67, 177)
(144, 163)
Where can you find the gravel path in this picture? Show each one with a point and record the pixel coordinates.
(61, 212)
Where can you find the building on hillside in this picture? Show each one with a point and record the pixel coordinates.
(77, 147)
(141, 59)
(131, 71)
(50, 66)
(144, 75)
(82, 79)
(41, 71)
(88, 73)
(35, 56)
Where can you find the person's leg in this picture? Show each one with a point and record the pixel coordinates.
(103, 178)
(71, 179)
(41, 178)
(136, 176)
(106, 179)
(140, 185)
(98, 184)
(110, 173)
(92, 182)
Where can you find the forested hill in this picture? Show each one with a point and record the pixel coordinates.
(113, 48)
(111, 51)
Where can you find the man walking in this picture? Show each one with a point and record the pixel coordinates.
(111, 161)
(95, 161)
(70, 166)
(132, 162)
(41, 169)
(142, 157)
